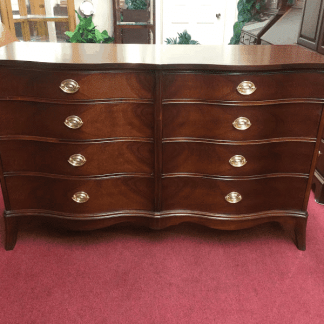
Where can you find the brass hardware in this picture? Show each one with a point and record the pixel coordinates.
(233, 197)
(246, 88)
(80, 197)
(73, 122)
(77, 160)
(69, 86)
(237, 161)
(242, 123)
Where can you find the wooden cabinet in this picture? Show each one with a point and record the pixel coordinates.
(38, 20)
(134, 21)
(160, 137)
(311, 31)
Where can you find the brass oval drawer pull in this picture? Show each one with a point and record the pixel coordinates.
(237, 161)
(246, 88)
(242, 123)
(233, 197)
(69, 86)
(80, 197)
(73, 122)
(77, 160)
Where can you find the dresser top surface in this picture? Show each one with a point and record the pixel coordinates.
(99, 56)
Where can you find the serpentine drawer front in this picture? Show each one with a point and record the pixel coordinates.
(227, 137)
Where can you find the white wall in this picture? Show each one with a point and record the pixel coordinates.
(103, 17)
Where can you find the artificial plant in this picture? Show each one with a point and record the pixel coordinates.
(184, 38)
(136, 4)
(247, 10)
(86, 32)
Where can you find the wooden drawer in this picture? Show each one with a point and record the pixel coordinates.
(216, 121)
(213, 159)
(42, 193)
(99, 120)
(269, 86)
(100, 85)
(208, 195)
(101, 158)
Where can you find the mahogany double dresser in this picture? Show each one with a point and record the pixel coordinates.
(93, 135)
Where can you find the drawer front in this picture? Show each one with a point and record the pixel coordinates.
(99, 120)
(208, 195)
(216, 122)
(122, 193)
(77, 159)
(269, 86)
(101, 85)
(254, 159)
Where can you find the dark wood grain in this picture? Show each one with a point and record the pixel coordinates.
(222, 87)
(108, 120)
(103, 85)
(157, 134)
(129, 192)
(208, 195)
(101, 158)
(268, 121)
(213, 159)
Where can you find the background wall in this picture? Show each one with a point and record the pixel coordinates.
(103, 17)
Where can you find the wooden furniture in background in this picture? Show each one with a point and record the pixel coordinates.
(34, 19)
(5, 36)
(252, 32)
(312, 29)
(134, 26)
(93, 135)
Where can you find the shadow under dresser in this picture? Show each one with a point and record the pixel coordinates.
(93, 135)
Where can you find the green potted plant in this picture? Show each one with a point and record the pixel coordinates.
(137, 11)
(86, 32)
(183, 38)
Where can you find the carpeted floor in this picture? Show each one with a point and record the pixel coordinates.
(186, 274)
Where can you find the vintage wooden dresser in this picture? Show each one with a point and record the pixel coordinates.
(92, 135)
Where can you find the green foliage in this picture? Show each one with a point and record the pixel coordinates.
(248, 10)
(136, 4)
(184, 38)
(86, 32)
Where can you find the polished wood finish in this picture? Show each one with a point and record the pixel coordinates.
(105, 85)
(286, 157)
(117, 119)
(119, 192)
(113, 156)
(207, 194)
(268, 121)
(222, 87)
(157, 135)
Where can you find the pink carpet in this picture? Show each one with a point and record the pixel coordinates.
(185, 274)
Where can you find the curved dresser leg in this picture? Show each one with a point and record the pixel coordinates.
(11, 227)
(300, 233)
